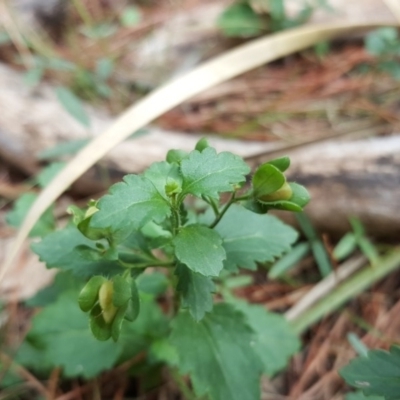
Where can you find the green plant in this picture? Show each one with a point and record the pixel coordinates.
(384, 43)
(246, 18)
(376, 374)
(143, 248)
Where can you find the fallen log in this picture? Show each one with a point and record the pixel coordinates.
(360, 178)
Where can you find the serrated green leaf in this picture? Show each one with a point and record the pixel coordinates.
(129, 206)
(63, 331)
(159, 174)
(200, 249)
(261, 238)
(47, 174)
(208, 173)
(240, 20)
(275, 340)
(60, 250)
(73, 105)
(43, 226)
(196, 291)
(218, 354)
(377, 374)
(266, 180)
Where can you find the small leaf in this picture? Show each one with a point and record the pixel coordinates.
(282, 163)
(218, 354)
(176, 156)
(129, 206)
(369, 250)
(132, 312)
(208, 173)
(261, 238)
(63, 149)
(21, 206)
(47, 174)
(266, 180)
(321, 258)
(289, 260)
(196, 291)
(104, 68)
(200, 249)
(131, 16)
(72, 105)
(240, 20)
(345, 247)
(377, 374)
(202, 144)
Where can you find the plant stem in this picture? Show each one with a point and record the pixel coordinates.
(175, 216)
(224, 210)
(347, 290)
(213, 204)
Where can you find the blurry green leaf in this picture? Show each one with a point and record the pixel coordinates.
(47, 174)
(33, 76)
(63, 282)
(63, 149)
(282, 163)
(4, 38)
(376, 374)
(202, 144)
(300, 195)
(155, 283)
(275, 341)
(162, 351)
(131, 16)
(289, 260)
(218, 354)
(357, 344)
(358, 227)
(99, 31)
(361, 396)
(63, 331)
(345, 247)
(21, 206)
(379, 41)
(369, 250)
(234, 282)
(72, 105)
(240, 20)
(321, 258)
(104, 68)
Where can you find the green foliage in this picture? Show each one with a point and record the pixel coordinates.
(376, 374)
(245, 18)
(361, 396)
(217, 353)
(108, 248)
(43, 226)
(384, 43)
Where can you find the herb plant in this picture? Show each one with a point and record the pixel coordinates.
(151, 266)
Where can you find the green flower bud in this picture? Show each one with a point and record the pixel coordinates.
(284, 193)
